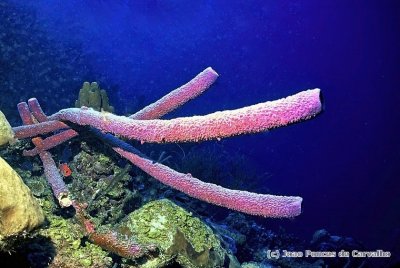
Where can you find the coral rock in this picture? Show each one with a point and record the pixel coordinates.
(19, 210)
(6, 133)
(181, 237)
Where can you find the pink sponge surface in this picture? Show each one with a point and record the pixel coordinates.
(247, 202)
(250, 119)
(179, 96)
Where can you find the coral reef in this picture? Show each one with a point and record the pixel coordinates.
(192, 248)
(181, 237)
(251, 242)
(111, 240)
(90, 95)
(322, 240)
(70, 246)
(254, 118)
(60, 243)
(107, 191)
(19, 210)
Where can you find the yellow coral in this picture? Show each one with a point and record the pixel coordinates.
(6, 133)
(19, 210)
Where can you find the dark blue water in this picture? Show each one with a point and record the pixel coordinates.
(345, 163)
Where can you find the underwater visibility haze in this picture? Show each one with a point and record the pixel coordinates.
(199, 133)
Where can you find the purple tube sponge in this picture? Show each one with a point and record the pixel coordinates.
(250, 119)
(55, 180)
(178, 97)
(251, 203)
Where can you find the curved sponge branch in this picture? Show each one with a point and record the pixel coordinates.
(54, 178)
(178, 97)
(250, 119)
(247, 202)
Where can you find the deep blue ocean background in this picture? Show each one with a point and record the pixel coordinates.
(345, 163)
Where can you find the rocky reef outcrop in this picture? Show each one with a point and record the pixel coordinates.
(181, 237)
(6, 133)
(19, 210)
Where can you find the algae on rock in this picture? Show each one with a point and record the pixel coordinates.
(70, 246)
(19, 210)
(180, 236)
(92, 96)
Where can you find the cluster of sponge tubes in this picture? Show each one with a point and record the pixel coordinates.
(145, 126)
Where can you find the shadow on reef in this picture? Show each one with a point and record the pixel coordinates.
(35, 252)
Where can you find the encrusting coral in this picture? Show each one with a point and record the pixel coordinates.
(90, 95)
(69, 244)
(179, 235)
(145, 126)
